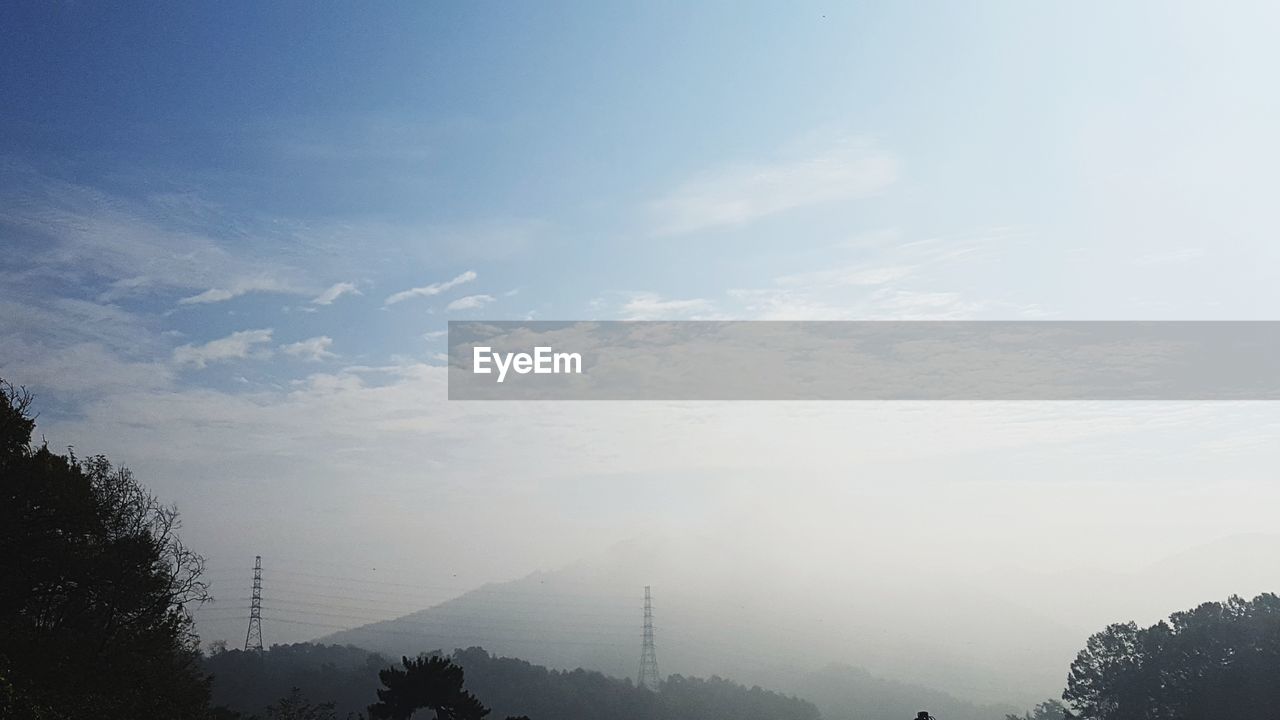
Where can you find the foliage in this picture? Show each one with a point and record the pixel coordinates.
(248, 682)
(346, 675)
(430, 682)
(515, 686)
(296, 707)
(1219, 660)
(1047, 710)
(94, 617)
(14, 703)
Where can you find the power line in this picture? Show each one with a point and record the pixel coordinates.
(364, 606)
(451, 621)
(486, 594)
(494, 638)
(336, 580)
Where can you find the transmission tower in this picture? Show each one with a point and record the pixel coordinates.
(253, 638)
(648, 656)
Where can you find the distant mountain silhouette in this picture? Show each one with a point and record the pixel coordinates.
(843, 692)
(1005, 636)
(708, 622)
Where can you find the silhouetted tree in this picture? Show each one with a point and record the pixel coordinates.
(1219, 660)
(94, 586)
(296, 707)
(431, 682)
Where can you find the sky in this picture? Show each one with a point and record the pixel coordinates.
(234, 234)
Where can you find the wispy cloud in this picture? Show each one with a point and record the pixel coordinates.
(58, 323)
(857, 275)
(312, 349)
(470, 302)
(430, 290)
(235, 346)
(739, 194)
(788, 304)
(651, 306)
(930, 278)
(882, 303)
(242, 286)
(893, 304)
(127, 248)
(334, 292)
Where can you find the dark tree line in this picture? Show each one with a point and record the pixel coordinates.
(507, 686)
(1219, 661)
(516, 686)
(247, 682)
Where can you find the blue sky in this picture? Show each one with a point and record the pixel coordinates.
(553, 150)
(234, 231)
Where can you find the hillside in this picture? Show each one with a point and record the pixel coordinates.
(580, 616)
(1001, 635)
(347, 676)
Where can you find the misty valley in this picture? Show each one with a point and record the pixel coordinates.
(97, 620)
